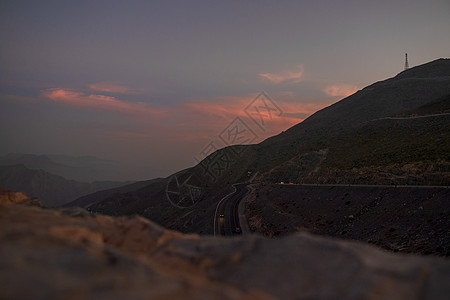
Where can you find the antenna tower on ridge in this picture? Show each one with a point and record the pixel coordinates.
(406, 62)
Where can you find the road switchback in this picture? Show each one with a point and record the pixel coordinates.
(226, 219)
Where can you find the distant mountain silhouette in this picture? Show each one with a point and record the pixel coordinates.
(80, 168)
(33, 161)
(91, 199)
(52, 190)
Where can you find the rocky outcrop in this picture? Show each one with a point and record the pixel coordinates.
(9, 197)
(71, 254)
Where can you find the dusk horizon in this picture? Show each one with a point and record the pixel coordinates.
(171, 149)
(153, 84)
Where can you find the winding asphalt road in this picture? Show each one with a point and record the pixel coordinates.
(226, 219)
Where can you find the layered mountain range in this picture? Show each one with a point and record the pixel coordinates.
(51, 189)
(58, 179)
(394, 132)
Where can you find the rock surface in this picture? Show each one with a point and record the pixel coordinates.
(71, 254)
(9, 197)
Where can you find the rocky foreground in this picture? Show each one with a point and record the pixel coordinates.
(71, 254)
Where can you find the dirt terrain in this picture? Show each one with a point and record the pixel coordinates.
(73, 254)
(402, 219)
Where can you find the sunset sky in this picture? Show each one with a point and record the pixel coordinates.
(154, 82)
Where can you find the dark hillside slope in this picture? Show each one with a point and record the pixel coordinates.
(439, 106)
(408, 90)
(421, 87)
(406, 219)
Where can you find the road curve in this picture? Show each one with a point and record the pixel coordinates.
(226, 218)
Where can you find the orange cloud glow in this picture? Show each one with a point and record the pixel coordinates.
(289, 76)
(100, 102)
(224, 107)
(195, 119)
(340, 90)
(215, 113)
(292, 108)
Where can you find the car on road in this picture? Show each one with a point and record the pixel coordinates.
(221, 216)
(238, 230)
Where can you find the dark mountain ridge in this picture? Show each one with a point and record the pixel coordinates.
(330, 127)
(408, 90)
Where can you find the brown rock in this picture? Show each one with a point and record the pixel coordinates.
(10, 197)
(51, 254)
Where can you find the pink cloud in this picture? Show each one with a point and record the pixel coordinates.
(340, 90)
(193, 120)
(109, 87)
(306, 108)
(99, 102)
(212, 115)
(288, 75)
(223, 107)
(208, 111)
